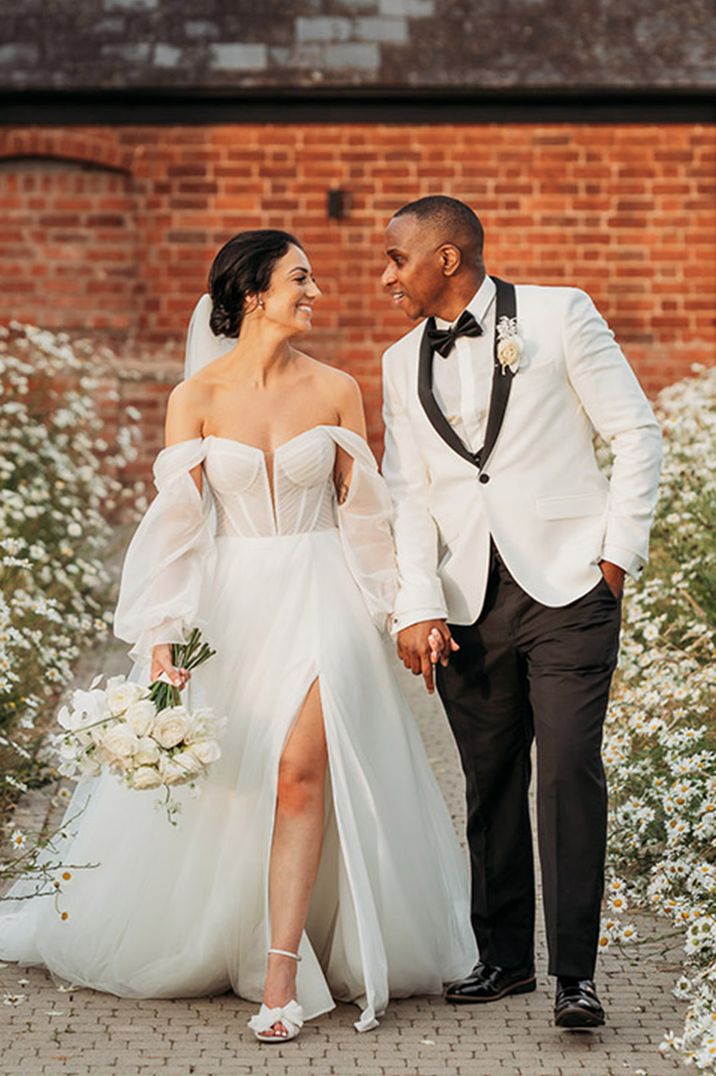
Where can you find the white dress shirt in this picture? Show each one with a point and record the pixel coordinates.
(462, 381)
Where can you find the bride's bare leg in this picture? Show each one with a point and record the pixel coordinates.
(297, 842)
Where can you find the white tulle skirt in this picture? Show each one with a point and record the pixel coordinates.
(173, 912)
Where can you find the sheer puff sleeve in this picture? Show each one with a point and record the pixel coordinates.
(169, 557)
(364, 525)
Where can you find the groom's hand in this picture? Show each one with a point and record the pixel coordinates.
(614, 576)
(419, 653)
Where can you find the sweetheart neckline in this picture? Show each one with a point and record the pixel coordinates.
(274, 452)
(269, 472)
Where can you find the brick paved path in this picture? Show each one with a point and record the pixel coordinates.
(80, 1032)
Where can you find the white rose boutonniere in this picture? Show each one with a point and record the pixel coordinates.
(510, 344)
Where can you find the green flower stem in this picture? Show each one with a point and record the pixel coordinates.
(186, 655)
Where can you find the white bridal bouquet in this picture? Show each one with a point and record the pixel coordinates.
(141, 734)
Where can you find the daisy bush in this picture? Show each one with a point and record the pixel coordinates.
(660, 737)
(59, 490)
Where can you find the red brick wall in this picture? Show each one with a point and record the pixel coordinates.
(626, 212)
(67, 253)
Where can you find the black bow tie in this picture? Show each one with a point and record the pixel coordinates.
(443, 340)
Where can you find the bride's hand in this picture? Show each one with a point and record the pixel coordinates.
(162, 663)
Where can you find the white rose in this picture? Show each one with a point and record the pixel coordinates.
(205, 752)
(145, 777)
(119, 742)
(188, 763)
(171, 726)
(120, 696)
(170, 773)
(147, 752)
(509, 351)
(205, 725)
(140, 716)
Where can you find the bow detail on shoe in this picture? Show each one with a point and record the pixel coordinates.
(290, 1015)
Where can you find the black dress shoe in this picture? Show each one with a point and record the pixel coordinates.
(577, 1004)
(487, 982)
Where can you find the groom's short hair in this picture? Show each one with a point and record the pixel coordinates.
(454, 219)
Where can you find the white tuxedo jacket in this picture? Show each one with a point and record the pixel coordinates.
(540, 494)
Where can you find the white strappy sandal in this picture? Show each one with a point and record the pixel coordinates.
(289, 1015)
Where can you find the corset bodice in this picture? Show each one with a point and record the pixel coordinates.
(170, 559)
(295, 495)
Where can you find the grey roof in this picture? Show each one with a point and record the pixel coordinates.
(218, 45)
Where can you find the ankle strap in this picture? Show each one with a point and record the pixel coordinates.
(285, 952)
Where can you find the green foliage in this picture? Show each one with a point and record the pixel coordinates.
(660, 748)
(58, 491)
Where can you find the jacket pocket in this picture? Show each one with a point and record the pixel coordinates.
(529, 371)
(583, 504)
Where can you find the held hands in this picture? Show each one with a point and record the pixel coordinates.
(422, 645)
(614, 576)
(162, 663)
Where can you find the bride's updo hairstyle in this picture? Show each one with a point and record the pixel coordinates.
(243, 267)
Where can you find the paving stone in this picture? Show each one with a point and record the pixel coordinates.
(99, 1034)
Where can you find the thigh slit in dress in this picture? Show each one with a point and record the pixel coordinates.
(289, 587)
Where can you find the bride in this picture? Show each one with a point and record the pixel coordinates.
(320, 862)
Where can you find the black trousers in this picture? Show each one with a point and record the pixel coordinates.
(525, 671)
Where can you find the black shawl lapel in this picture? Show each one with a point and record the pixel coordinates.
(505, 306)
(425, 393)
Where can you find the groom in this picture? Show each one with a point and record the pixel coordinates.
(512, 549)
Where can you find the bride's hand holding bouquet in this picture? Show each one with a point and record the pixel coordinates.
(145, 736)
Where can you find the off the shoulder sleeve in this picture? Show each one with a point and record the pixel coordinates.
(168, 558)
(364, 525)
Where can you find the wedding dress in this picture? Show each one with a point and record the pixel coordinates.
(290, 588)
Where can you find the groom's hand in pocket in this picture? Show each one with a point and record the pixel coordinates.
(422, 645)
(614, 577)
